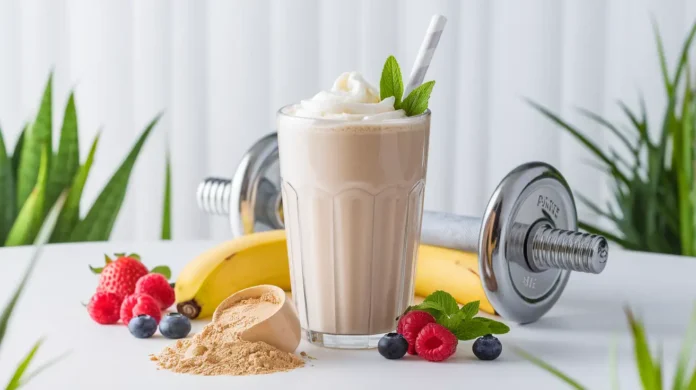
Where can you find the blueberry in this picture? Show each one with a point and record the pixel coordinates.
(487, 347)
(142, 326)
(392, 346)
(175, 326)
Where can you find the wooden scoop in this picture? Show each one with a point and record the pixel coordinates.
(281, 329)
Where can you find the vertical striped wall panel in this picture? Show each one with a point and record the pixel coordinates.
(219, 70)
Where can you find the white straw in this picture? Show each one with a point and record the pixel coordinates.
(425, 54)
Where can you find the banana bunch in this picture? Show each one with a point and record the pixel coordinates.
(262, 258)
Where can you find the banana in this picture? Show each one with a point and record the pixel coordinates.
(254, 259)
(450, 270)
(261, 258)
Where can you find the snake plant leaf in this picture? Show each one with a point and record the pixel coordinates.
(16, 380)
(19, 379)
(67, 160)
(99, 221)
(8, 210)
(17, 153)
(71, 212)
(31, 215)
(647, 369)
(549, 368)
(685, 353)
(38, 135)
(167, 204)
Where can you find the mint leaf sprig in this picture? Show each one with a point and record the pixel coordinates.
(463, 322)
(391, 84)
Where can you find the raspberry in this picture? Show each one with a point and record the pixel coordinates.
(119, 276)
(156, 286)
(104, 307)
(436, 343)
(410, 324)
(137, 304)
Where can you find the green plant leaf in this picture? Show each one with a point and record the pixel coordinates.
(162, 270)
(549, 368)
(37, 137)
(640, 125)
(470, 309)
(646, 368)
(70, 215)
(16, 379)
(684, 56)
(685, 353)
(479, 326)
(167, 203)
(41, 239)
(580, 137)
(417, 101)
(441, 301)
(661, 55)
(37, 371)
(8, 209)
(599, 119)
(17, 153)
(452, 321)
(31, 215)
(683, 161)
(391, 83)
(67, 160)
(614, 364)
(100, 219)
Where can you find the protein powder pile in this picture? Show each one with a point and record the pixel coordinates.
(219, 350)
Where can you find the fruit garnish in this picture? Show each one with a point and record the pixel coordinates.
(411, 324)
(461, 322)
(137, 304)
(142, 326)
(175, 326)
(104, 307)
(392, 346)
(487, 347)
(156, 286)
(436, 343)
(391, 84)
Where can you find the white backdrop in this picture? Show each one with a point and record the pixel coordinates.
(220, 69)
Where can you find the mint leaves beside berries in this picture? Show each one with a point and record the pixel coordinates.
(391, 84)
(463, 322)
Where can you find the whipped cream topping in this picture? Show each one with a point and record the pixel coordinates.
(351, 98)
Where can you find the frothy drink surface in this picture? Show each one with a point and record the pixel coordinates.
(352, 200)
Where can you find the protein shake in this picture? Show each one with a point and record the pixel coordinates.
(353, 171)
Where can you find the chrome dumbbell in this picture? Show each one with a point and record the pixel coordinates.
(527, 239)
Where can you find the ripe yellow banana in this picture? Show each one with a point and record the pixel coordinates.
(219, 272)
(261, 258)
(450, 270)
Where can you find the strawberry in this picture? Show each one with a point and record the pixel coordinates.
(156, 286)
(137, 304)
(436, 343)
(120, 276)
(103, 307)
(410, 324)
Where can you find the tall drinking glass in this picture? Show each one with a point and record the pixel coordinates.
(352, 203)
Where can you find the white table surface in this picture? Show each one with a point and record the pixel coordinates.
(575, 335)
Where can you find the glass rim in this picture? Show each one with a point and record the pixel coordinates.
(280, 112)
